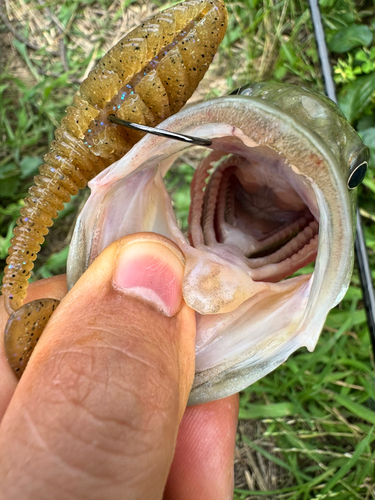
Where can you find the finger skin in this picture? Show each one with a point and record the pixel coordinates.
(54, 288)
(202, 467)
(96, 413)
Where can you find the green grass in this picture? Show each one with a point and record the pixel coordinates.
(307, 429)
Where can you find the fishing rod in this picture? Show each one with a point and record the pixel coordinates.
(360, 245)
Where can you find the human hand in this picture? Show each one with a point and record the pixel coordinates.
(97, 413)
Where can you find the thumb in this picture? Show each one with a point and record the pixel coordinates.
(97, 410)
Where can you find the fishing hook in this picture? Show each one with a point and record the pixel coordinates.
(197, 141)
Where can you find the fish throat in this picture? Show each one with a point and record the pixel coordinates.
(252, 208)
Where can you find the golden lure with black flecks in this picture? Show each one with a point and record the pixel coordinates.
(146, 77)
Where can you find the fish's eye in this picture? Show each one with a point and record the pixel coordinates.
(358, 169)
(357, 175)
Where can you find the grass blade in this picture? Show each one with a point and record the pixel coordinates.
(351, 462)
(275, 410)
(355, 408)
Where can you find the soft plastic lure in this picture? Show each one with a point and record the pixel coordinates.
(146, 77)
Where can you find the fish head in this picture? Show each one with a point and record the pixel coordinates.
(270, 197)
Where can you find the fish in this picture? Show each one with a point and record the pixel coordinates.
(149, 75)
(274, 193)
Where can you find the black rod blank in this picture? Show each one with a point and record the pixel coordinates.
(360, 244)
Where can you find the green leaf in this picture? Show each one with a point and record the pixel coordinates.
(368, 67)
(355, 35)
(23, 52)
(22, 118)
(55, 264)
(9, 180)
(361, 56)
(7, 171)
(5, 241)
(353, 293)
(356, 96)
(3, 87)
(29, 165)
(275, 410)
(368, 137)
(9, 186)
(337, 317)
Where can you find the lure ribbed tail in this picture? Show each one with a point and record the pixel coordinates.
(146, 77)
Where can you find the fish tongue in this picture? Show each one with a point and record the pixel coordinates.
(216, 283)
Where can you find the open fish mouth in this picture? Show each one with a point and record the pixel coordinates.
(250, 205)
(270, 198)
